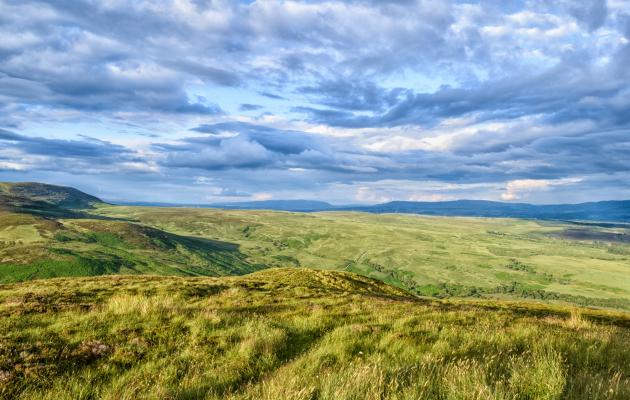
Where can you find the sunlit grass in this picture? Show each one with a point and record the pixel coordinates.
(297, 334)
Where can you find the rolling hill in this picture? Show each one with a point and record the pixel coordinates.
(48, 231)
(443, 257)
(431, 256)
(297, 334)
(60, 196)
(45, 200)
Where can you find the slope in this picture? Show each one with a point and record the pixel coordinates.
(441, 257)
(60, 196)
(435, 256)
(38, 239)
(296, 334)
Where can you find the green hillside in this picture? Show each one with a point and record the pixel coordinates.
(296, 334)
(34, 247)
(442, 257)
(432, 256)
(60, 196)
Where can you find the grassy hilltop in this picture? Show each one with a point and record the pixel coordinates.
(61, 196)
(296, 334)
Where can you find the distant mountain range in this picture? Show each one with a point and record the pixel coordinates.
(612, 211)
(282, 205)
(34, 196)
(278, 205)
(602, 211)
(618, 211)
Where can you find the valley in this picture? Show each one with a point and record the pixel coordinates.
(431, 256)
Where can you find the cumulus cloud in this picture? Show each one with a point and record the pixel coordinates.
(285, 96)
(517, 189)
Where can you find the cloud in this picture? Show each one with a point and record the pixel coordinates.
(206, 72)
(326, 96)
(342, 55)
(592, 13)
(234, 145)
(236, 152)
(272, 95)
(250, 107)
(262, 196)
(87, 155)
(517, 189)
(12, 166)
(86, 148)
(275, 140)
(347, 94)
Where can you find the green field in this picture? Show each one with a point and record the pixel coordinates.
(297, 334)
(429, 256)
(435, 256)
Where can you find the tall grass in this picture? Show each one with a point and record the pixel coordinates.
(297, 334)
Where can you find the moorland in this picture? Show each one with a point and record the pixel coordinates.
(585, 264)
(107, 301)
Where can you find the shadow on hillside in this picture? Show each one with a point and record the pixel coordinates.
(43, 209)
(49, 211)
(585, 234)
(203, 243)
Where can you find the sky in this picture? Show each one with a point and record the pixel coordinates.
(360, 101)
